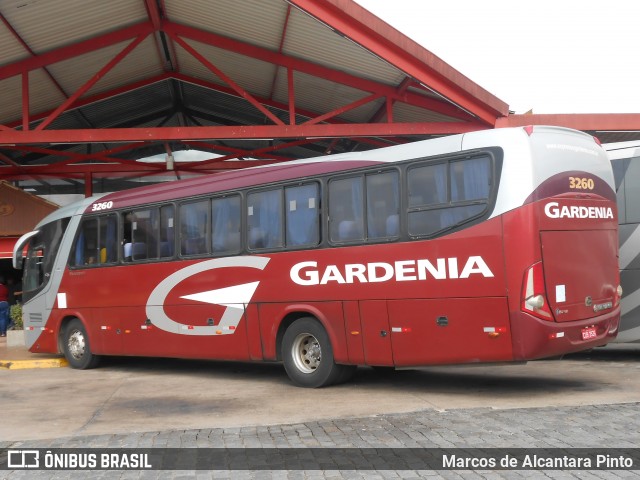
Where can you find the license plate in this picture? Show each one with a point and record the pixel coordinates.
(588, 333)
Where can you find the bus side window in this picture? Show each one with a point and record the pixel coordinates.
(108, 243)
(427, 188)
(194, 225)
(96, 243)
(264, 219)
(346, 209)
(85, 250)
(166, 231)
(383, 205)
(470, 182)
(302, 215)
(225, 224)
(140, 235)
(447, 194)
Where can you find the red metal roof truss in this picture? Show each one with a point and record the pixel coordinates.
(467, 112)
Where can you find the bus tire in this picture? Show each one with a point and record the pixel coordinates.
(77, 349)
(308, 356)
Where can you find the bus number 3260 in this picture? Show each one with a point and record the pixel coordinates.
(96, 207)
(576, 183)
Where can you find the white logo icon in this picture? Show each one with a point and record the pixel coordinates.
(23, 459)
(234, 297)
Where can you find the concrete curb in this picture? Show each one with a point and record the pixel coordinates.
(25, 364)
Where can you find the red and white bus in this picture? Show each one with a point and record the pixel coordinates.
(491, 246)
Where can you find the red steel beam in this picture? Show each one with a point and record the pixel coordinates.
(75, 49)
(25, 101)
(102, 96)
(73, 157)
(578, 121)
(341, 110)
(387, 108)
(236, 131)
(92, 81)
(239, 152)
(69, 171)
(252, 153)
(283, 35)
(237, 88)
(292, 97)
(25, 75)
(154, 13)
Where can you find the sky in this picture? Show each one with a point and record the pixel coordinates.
(549, 56)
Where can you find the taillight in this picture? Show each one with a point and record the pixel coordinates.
(534, 295)
(618, 296)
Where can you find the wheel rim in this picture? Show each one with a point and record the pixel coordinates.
(306, 353)
(76, 344)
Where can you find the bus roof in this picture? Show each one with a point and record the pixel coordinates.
(305, 168)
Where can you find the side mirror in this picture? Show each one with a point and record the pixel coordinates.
(18, 248)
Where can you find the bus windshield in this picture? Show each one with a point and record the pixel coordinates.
(41, 255)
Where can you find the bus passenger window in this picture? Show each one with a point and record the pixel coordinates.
(470, 179)
(194, 224)
(346, 209)
(108, 242)
(302, 215)
(427, 188)
(447, 194)
(140, 235)
(85, 251)
(96, 243)
(383, 205)
(264, 219)
(225, 224)
(167, 236)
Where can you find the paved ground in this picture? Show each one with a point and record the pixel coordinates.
(590, 400)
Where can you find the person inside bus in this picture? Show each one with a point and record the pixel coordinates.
(4, 308)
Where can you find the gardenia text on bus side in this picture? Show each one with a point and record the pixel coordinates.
(308, 273)
(553, 210)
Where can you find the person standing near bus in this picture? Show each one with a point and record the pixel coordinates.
(4, 308)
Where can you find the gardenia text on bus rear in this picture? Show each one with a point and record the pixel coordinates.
(553, 210)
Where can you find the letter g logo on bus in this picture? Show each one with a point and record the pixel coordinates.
(234, 297)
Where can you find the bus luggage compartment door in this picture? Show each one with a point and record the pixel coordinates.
(450, 330)
(580, 276)
(375, 332)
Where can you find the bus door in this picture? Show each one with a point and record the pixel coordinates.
(450, 330)
(376, 333)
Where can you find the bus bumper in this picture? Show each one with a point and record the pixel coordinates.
(534, 338)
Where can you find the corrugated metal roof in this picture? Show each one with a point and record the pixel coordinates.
(251, 74)
(65, 43)
(307, 38)
(257, 22)
(48, 24)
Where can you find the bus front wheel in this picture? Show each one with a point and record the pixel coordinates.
(76, 346)
(308, 356)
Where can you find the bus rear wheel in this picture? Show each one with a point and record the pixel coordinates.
(308, 356)
(77, 350)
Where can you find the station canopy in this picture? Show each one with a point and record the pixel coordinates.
(92, 89)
